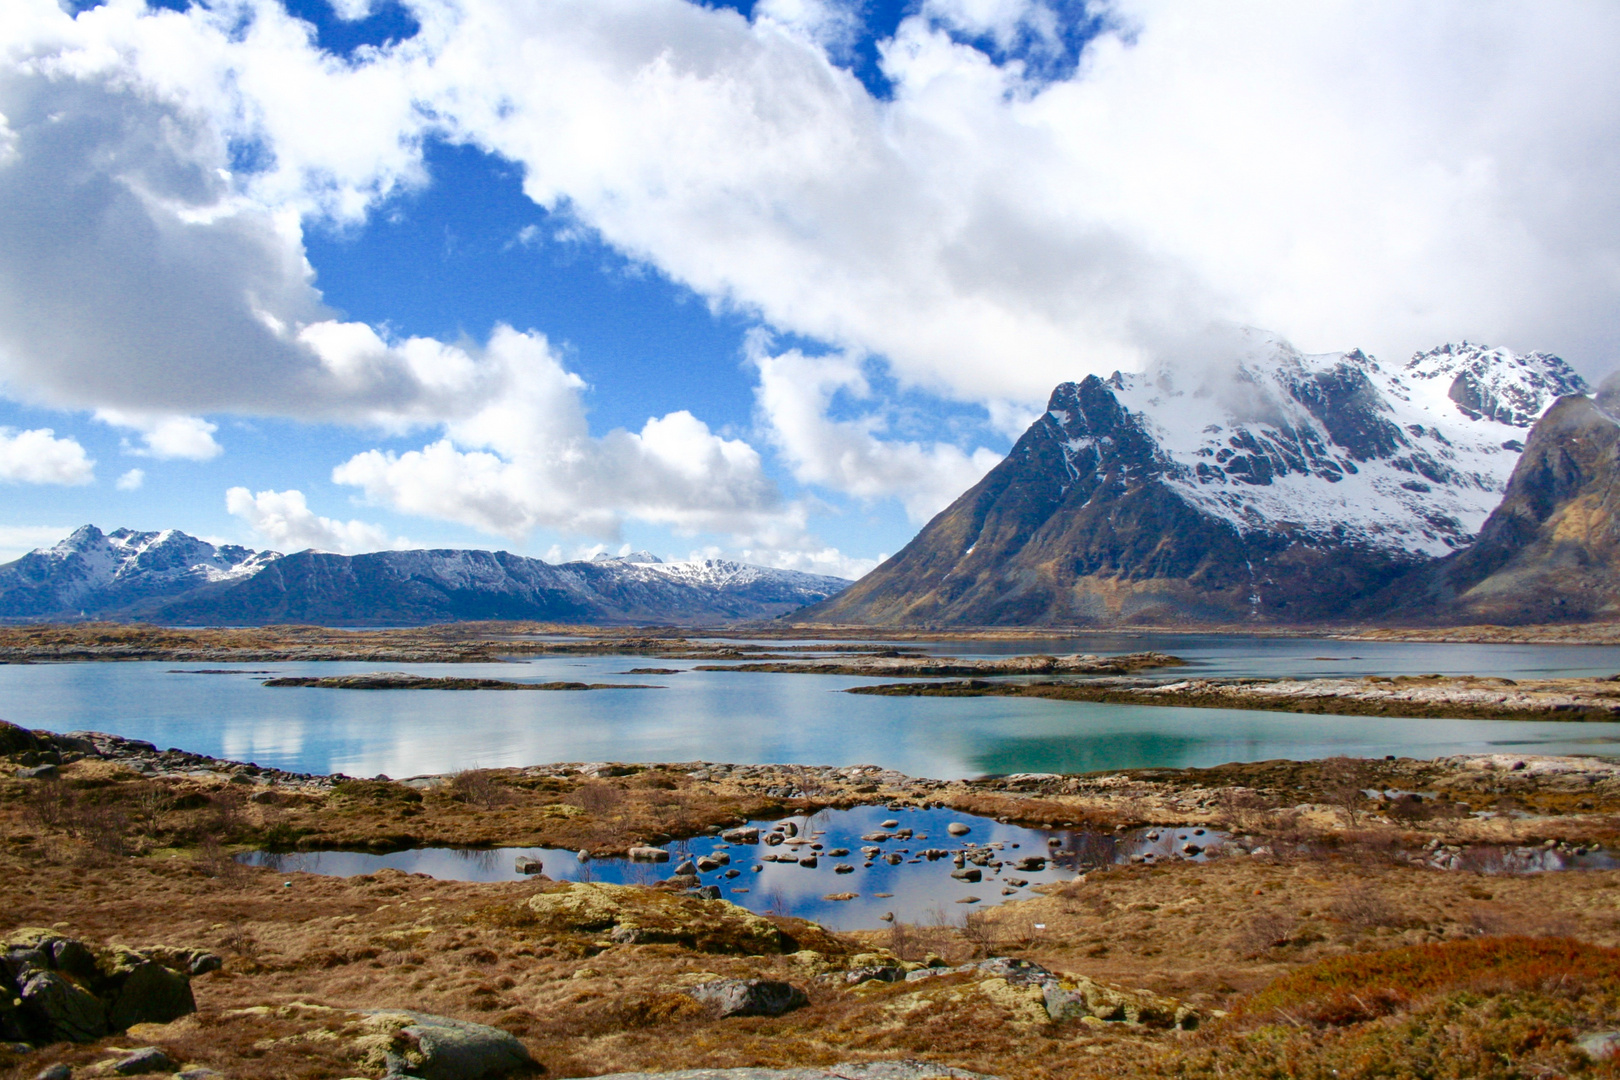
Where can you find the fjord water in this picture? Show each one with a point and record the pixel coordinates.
(767, 718)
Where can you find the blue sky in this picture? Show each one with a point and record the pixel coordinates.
(769, 280)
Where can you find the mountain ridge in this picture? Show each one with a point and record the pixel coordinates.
(1285, 490)
(175, 578)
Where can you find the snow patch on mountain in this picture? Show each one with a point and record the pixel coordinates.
(1334, 446)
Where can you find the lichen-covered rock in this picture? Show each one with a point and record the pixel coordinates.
(748, 997)
(1085, 998)
(636, 916)
(54, 988)
(151, 994)
(66, 1011)
(406, 1043)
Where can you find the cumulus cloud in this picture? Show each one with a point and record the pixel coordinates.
(794, 395)
(131, 480)
(527, 459)
(167, 437)
(284, 520)
(1343, 173)
(39, 457)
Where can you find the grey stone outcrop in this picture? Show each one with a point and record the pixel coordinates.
(57, 989)
(749, 997)
(421, 1046)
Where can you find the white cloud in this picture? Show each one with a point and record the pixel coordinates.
(1367, 173)
(131, 480)
(39, 457)
(794, 395)
(526, 460)
(167, 437)
(18, 540)
(284, 520)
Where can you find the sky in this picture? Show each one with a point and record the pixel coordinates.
(771, 280)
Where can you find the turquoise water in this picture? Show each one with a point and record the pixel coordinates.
(755, 718)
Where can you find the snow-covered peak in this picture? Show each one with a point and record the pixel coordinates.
(1332, 446)
(633, 557)
(1496, 384)
(123, 555)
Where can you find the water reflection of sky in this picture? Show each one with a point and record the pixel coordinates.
(919, 892)
(755, 718)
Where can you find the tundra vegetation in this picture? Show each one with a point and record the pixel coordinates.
(1327, 952)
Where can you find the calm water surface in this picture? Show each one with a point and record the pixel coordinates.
(755, 718)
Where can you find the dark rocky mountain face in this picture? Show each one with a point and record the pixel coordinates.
(1550, 552)
(177, 579)
(1289, 492)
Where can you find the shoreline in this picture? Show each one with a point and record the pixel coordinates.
(1460, 697)
(496, 642)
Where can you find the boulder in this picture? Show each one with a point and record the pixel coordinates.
(151, 994)
(969, 874)
(749, 997)
(66, 1011)
(148, 1059)
(956, 828)
(648, 854)
(747, 834)
(528, 864)
(406, 1043)
(38, 772)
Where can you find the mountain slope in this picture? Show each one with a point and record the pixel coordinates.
(177, 579)
(1285, 490)
(124, 570)
(1551, 551)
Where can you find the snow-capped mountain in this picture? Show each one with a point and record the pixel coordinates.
(121, 570)
(174, 578)
(1278, 485)
(1336, 446)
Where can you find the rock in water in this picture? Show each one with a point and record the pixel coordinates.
(426, 1047)
(749, 997)
(527, 864)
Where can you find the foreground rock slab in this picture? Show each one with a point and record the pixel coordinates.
(427, 1047)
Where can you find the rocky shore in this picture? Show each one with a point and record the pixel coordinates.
(889, 666)
(401, 680)
(1419, 696)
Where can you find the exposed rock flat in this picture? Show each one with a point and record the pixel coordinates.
(1461, 697)
(401, 680)
(921, 666)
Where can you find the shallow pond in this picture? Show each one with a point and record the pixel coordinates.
(915, 889)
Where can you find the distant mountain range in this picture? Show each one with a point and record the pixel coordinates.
(172, 578)
(1291, 489)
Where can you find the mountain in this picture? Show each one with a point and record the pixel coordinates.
(176, 579)
(1283, 488)
(1551, 551)
(123, 571)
